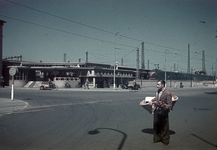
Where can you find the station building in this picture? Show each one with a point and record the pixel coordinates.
(69, 75)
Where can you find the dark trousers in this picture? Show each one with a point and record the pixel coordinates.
(161, 127)
(2, 84)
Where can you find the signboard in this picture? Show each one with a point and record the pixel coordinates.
(12, 71)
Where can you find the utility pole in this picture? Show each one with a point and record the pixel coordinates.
(143, 57)
(213, 74)
(215, 69)
(64, 58)
(137, 64)
(86, 56)
(212, 70)
(148, 63)
(216, 64)
(122, 62)
(177, 66)
(1, 35)
(188, 70)
(203, 62)
(165, 64)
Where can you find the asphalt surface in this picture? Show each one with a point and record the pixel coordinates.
(103, 119)
(8, 106)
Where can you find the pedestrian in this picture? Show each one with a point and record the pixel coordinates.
(175, 86)
(2, 82)
(50, 83)
(86, 84)
(163, 105)
(134, 83)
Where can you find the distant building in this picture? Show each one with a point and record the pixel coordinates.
(74, 74)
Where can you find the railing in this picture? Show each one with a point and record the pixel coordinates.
(66, 78)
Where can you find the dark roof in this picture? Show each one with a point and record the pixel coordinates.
(64, 65)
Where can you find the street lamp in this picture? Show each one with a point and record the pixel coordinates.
(165, 63)
(115, 57)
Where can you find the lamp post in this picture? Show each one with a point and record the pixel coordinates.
(165, 64)
(115, 58)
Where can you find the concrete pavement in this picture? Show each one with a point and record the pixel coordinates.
(8, 106)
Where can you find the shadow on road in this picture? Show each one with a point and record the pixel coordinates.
(204, 140)
(150, 131)
(96, 131)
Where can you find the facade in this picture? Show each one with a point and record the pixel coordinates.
(69, 74)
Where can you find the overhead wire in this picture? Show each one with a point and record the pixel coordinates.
(134, 48)
(131, 51)
(84, 36)
(59, 17)
(106, 31)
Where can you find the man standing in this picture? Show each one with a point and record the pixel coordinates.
(163, 104)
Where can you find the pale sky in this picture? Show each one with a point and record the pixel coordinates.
(46, 29)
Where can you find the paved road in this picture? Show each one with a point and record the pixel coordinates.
(105, 120)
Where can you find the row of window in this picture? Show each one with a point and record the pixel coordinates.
(112, 72)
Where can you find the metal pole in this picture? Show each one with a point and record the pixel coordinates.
(115, 58)
(12, 89)
(137, 65)
(86, 56)
(165, 65)
(188, 68)
(143, 57)
(64, 57)
(215, 70)
(1, 35)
